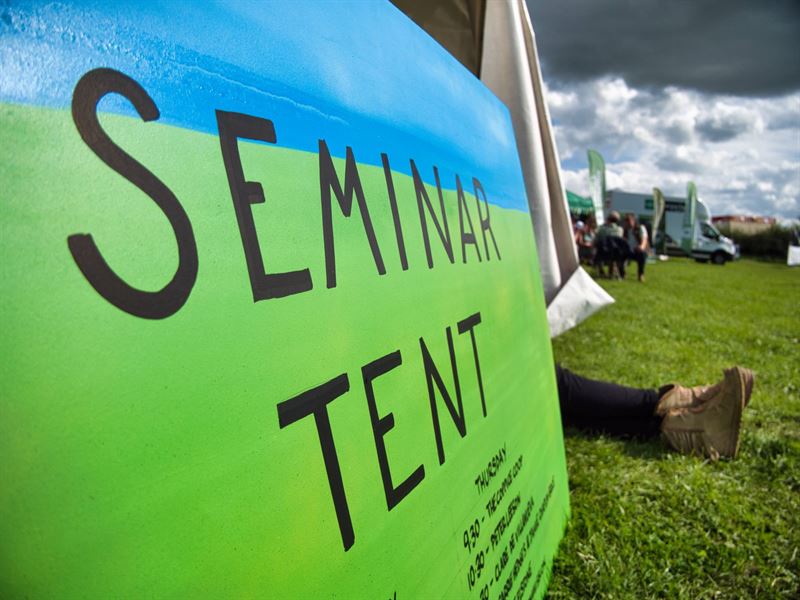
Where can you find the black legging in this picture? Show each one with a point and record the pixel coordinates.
(607, 407)
(640, 256)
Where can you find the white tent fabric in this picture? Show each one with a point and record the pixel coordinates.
(578, 298)
(494, 39)
(793, 256)
(510, 68)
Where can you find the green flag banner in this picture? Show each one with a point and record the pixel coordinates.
(689, 212)
(658, 213)
(597, 183)
(273, 323)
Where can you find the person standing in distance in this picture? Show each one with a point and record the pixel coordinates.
(636, 236)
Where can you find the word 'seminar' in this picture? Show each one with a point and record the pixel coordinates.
(95, 84)
(315, 402)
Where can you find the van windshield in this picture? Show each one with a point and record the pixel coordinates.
(709, 231)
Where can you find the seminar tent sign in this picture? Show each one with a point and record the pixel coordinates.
(272, 318)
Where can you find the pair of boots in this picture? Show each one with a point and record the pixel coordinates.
(705, 420)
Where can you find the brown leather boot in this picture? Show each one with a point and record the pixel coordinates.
(691, 397)
(710, 425)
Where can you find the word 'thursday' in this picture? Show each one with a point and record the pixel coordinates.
(232, 127)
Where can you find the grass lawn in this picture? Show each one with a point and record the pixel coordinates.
(647, 522)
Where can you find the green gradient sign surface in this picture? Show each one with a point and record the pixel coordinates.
(237, 367)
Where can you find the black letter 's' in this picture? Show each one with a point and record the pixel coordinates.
(382, 425)
(232, 127)
(149, 305)
(315, 402)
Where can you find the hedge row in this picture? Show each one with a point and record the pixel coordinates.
(770, 243)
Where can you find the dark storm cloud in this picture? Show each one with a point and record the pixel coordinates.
(676, 134)
(721, 127)
(788, 118)
(736, 47)
(671, 162)
(719, 132)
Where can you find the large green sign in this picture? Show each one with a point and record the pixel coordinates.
(268, 329)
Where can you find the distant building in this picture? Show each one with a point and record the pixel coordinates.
(743, 224)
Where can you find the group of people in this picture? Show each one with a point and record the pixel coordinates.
(612, 245)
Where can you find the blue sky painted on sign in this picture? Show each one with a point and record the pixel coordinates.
(354, 73)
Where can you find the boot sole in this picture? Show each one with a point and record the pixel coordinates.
(744, 380)
(749, 379)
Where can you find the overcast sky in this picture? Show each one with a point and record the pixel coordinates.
(677, 90)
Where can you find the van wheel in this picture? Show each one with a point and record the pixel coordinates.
(718, 258)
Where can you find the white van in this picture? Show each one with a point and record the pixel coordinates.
(701, 240)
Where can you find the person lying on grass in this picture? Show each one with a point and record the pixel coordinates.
(700, 420)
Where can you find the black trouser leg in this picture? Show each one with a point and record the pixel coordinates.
(640, 256)
(607, 407)
(600, 262)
